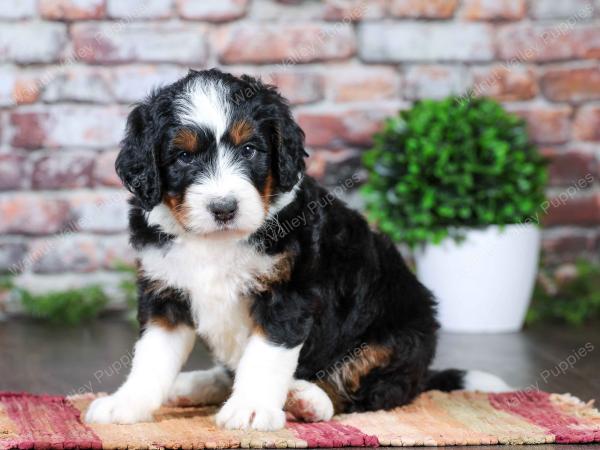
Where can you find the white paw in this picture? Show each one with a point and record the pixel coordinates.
(203, 387)
(308, 402)
(119, 408)
(239, 414)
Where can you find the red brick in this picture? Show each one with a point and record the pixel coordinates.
(354, 10)
(494, 9)
(346, 84)
(68, 252)
(131, 84)
(524, 42)
(11, 253)
(104, 169)
(298, 87)
(29, 127)
(79, 84)
(287, 44)
(138, 41)
(12, 171)
(72, 9)
(148, 9)
(100, 211)
(16, 214)
(568, 167)
(575, 85)
(563, 247)
(587, 123)
(18, 86)
(398, 42)
(221, 11)
(426, 9)
(288, 11)
(27, 43)
(333, 167)
(17, 9)
(339, 128)
(434, 81)
(572, 210)
(69, 126)
(61, 170)
(504, 83)
(547, 125)
(551, 9)
(72, 252)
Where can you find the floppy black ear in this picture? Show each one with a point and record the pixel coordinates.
(137, 164)
(290, 151)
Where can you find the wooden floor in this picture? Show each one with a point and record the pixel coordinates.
(96, 358)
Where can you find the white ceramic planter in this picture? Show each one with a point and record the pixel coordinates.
(484, 283)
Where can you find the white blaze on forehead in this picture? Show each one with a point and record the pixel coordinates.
(204, 103)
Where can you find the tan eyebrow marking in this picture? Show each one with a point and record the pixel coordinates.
(240, 132)
(187, 140)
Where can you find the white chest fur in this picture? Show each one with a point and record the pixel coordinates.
(218, 274)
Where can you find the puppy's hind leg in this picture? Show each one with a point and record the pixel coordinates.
(307, 401)
(201, 387)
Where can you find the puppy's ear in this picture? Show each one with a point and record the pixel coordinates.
(290, 149)
(137, 164)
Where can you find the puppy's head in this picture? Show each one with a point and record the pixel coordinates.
(211, 153)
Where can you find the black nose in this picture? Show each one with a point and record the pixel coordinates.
(223, 208)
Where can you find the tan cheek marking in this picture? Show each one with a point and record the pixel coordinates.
(267, 192)
(178, 209)
(240, 132)
(186, 140)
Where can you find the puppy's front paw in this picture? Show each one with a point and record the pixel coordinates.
(119, 408)
(240, 414)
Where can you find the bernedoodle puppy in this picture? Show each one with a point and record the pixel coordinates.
(304, 307)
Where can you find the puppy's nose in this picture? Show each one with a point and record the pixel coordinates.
(223, 209)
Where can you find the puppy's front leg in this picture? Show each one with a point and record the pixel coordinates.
(158, 358)
(261, 385)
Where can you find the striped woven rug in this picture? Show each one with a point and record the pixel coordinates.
(435, 418)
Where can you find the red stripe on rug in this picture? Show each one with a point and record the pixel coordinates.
(332, 434)
(536, 407)
(46, 421)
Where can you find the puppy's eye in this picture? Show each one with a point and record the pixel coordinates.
(185, 157)
(248, 151)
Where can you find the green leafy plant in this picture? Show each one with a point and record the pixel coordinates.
(69, 307)
(6, 283)
(448, 164)
(128, 287)
(572, 298)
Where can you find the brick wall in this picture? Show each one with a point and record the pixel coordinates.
(69, 69)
